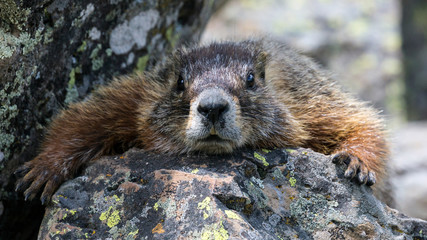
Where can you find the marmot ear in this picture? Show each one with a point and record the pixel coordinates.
(261, 62)
(178, 53)
(172, 65)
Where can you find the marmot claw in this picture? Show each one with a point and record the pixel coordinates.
(36, 177)
(356, 168)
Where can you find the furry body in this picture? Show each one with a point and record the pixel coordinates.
(214, 99)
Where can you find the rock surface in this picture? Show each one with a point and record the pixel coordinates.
(278, 194)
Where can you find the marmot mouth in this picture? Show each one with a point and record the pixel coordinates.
(214, 144)
(212, 138)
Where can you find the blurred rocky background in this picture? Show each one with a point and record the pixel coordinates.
(375, 49)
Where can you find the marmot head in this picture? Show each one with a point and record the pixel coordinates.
(216, 100)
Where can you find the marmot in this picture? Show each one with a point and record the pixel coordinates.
(214, 99)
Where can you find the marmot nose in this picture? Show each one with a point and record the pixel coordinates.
(213, 107)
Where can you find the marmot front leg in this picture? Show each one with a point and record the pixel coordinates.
(74, 138)
(352, 133)
(83, 133)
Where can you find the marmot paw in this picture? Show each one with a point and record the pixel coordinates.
(356, 168)
(36, 176)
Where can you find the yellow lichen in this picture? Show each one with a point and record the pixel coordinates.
(62, 232)
(133, 234)
(116, 198)
(204, 204)
(62, 196)
(292, 181)
(215, 231)
(68, 211)
(261, 158)
(195, 171)
(265, 150)
(112, 219)
(232, 215)
(104, 215)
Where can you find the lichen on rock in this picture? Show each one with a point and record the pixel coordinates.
(134, 32)
(228, 197)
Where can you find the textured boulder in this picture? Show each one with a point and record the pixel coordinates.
(278, 194)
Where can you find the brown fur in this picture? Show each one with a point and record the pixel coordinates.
(291, 103)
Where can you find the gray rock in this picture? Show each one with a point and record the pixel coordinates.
(278, 194)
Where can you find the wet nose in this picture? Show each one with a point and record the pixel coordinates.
(213, 107)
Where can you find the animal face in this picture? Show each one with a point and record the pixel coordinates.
(217, 100)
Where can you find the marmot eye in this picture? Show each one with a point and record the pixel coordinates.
(180, 83)
(250, 80)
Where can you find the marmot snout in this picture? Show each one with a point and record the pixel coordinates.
(212, 125)
(214, 99)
